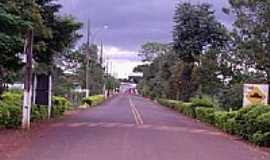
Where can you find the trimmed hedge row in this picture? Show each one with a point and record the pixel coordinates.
(94, 100)
(11, 110)
(252, 123)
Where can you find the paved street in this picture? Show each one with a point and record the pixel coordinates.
(134, 128)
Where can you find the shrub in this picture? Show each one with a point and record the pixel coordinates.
(222, 120)
(61, 101)
(11, 109)
(249, 125)
(10, 116)
(185, 108)
(98, 99)
(189, 110)
(93, 100)
(39, 113)
(263, 122)
(60, 105)
(261, 139)
(12, 98)
(204, 101)
(205, 114)
(170, 103)
(87, 101)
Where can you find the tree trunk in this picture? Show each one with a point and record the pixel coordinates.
(2, 87)
(268, 81)
(186, 82)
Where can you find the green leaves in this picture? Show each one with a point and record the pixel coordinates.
(196, 29)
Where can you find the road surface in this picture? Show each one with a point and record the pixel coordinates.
(134, 128)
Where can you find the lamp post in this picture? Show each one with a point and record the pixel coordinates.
(88, 52)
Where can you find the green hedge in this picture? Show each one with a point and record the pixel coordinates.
(93, 100)
(252, 123)
(11, 110)
(205, 114)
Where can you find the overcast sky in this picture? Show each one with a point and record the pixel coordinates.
(130, 23)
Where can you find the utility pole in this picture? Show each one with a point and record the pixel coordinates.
(87, 52)
(101, 53)
(28, 51)
(101, 63)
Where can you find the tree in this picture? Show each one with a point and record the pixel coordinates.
(196, 31)
(252, 34)
(62, 32)
(11, 42)
(152, 50)
(95, 70)
(54, 35)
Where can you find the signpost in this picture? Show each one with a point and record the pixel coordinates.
(43, 91)
(255, 94)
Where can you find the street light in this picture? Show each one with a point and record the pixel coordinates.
(93, 36)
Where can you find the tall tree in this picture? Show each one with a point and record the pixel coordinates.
(12, 29)
(252, 34)
(196, 31)
(152, 50)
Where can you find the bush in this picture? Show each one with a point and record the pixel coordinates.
(263, 122)
(12, 98)
(224, 120)
(189, 110)
(185, 108)
(93, 100)
(246, 124)
(261, 139)
(10, 116)
(205, 101)
(11, 109)
(171, 103)
(87, 101)
(205, 114)
(60, 105)
(251, 123)
(39, 113)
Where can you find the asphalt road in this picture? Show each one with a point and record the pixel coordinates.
(134, 128)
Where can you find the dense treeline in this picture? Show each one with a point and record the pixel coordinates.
(206, 58)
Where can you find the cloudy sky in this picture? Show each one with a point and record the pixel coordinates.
(130, 23)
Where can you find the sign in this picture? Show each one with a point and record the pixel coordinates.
(255, 94)
(42, 90)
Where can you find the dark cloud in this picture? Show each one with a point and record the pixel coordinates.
(132, 22)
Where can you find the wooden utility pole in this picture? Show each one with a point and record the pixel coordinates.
(28, 51)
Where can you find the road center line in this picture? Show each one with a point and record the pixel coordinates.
(136, 113)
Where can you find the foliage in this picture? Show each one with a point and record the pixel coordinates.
(152, 50)
(93, 68)
(251, 34)
(250, 123)
(11, 110)
(94, 100)
(53, 34)
(204, 101)
(205, 114)
(195, 28)
(199, 49)
(10, 115)
(60, 105)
